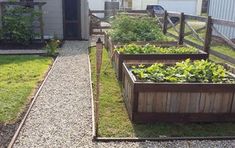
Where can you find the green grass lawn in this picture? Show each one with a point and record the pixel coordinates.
(114, 121)
(19, 76)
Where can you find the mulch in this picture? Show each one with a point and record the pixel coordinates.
(7, 132)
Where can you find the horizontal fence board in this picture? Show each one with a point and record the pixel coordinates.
(199, 18)
(222, 56)
(173, 14)
(223, 22)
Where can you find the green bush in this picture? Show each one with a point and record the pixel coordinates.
(136, 49)
(200, 71)
(52, 47)
(18, 24)
(129, 28)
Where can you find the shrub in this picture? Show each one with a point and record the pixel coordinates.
(129, 28)
(136, 49)
(18, 24)
(52, 47)
(201, 71)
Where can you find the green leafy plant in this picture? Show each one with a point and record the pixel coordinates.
(137, 49)
(199, 71)
(18, 24)
(52, 47)
(129, 28)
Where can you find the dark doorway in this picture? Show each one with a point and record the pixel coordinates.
(72, 19)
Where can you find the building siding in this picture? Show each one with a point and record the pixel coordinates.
(53, 18)
(223, 10)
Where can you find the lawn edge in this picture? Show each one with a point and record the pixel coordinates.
(161, 139)
(25, 116)
(92, 96)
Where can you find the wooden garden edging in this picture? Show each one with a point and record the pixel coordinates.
(170, 102)
(23, 52)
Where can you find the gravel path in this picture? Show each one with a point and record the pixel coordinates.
(61, 116)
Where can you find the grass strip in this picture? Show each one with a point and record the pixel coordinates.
(19, 76)
(114, 121)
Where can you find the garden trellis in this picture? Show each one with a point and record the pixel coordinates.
(34, 5)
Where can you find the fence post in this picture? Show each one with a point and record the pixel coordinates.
(99, 51)
(165, 22)
(208, 35)
(182, 29)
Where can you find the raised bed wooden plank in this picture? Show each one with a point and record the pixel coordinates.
(188, 102)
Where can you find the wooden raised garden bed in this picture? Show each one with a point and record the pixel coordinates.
(110, 45)
(177, 102)
(119, 58)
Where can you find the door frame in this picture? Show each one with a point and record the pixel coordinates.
(79, 22)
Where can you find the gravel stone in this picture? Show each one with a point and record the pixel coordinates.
(61, 116)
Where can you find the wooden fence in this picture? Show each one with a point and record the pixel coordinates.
(166, 23)
(209, 27)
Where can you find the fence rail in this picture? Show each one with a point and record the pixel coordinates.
(209, 27)
(165, 22)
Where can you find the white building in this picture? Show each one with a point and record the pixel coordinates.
(223, 9)
(193, 7)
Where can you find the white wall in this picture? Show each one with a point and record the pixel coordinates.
(188, 6)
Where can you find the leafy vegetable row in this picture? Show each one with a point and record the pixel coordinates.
(136, 49)
(200, 71)
(131, 28)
